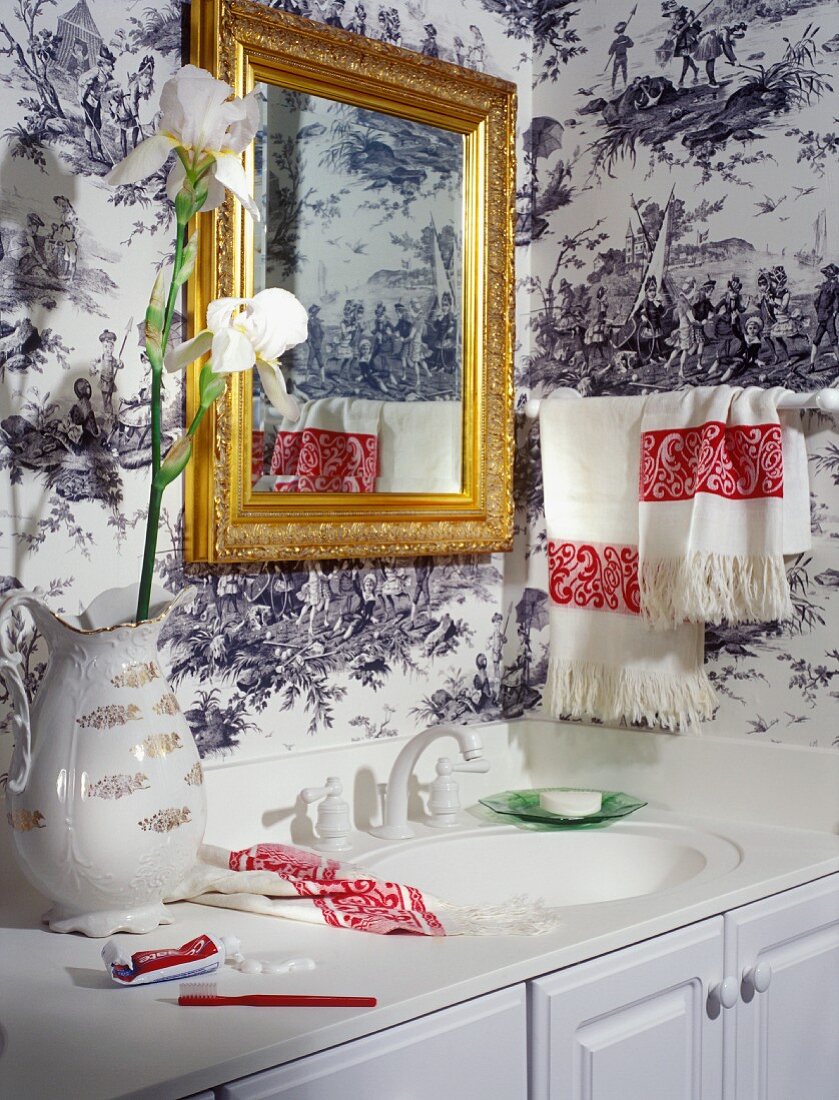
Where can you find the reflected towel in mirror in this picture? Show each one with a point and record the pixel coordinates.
(332, 448)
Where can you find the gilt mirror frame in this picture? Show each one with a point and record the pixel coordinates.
(226, 521)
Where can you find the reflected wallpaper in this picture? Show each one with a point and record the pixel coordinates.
(671, 162)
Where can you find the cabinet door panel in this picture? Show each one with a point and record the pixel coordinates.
(632, 1024)
(784, 1042)
(472, 1051)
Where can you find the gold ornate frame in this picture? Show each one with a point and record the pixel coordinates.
(241, 43)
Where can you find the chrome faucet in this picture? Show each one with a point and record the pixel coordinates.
(396, 795)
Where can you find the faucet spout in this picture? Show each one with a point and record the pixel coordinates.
(396, 825)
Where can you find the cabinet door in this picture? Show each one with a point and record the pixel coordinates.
(784, 1042)
(473, 1051)
(633, 1024)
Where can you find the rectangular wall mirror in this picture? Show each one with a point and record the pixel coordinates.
(386, 185)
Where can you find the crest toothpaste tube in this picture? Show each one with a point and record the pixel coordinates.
(202, 955)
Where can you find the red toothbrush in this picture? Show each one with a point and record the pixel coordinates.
(203, 994)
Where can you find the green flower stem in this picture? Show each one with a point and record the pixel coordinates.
(174, 286)
(149, 551)
(189, 201)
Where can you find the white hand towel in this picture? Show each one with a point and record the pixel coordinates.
(278, 880)
(724, 494)
(605, 662)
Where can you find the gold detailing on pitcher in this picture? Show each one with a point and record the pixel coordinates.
(115, 786)
(166, 820)
(157, 744)
(168, 704)
(114, 714)
(195, 776)
(24, 820)
(137, 675)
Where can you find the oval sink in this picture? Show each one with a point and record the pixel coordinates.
(574, 867)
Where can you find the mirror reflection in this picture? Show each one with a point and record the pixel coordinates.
(363, 221)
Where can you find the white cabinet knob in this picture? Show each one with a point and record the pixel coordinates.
(758, 976)
(726, 992)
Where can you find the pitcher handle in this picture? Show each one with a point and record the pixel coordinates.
(10, 664)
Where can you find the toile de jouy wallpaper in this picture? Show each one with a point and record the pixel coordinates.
(671, 162)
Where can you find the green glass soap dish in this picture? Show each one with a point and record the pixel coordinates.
(524, 805)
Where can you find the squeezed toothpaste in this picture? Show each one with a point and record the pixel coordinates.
(202, 955)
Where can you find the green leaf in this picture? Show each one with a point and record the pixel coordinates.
(200, 198)
(213, 390)
(187, 262)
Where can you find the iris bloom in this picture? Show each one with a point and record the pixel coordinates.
(200, 116)
(245, 332)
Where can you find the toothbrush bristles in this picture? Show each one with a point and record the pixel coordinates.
(201, 991)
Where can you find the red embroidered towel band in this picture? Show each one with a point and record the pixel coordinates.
(724, 494)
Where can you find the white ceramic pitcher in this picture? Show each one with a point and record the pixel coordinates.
(105, 793)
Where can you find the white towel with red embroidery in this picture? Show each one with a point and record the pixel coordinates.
(283, 881)
(605, 662)
(724, 494)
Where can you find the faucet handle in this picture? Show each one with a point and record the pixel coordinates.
(333, 786)
(444, 801)
(479, 765)
(333, 825)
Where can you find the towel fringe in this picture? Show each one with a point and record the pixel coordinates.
(577, 689)
(519, 916)
(714, 588)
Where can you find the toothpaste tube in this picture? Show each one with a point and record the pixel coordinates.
(202, 955)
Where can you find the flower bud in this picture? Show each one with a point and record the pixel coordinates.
(154, 321)
(184, 205)
(175, 459)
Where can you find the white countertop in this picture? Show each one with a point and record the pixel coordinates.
(66, 1031)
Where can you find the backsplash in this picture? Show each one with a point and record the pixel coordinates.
(279, 659)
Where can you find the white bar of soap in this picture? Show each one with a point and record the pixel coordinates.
(571, 803)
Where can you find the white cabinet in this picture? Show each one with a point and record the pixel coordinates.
(633, 1024)
(473, 1051)
(647, 1023)
(783, 1042)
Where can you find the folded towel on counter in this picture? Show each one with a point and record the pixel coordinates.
(724, 494)
(605, 662)
(332, 448)
(282, 881)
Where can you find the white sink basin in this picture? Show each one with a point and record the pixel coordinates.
(488, 865)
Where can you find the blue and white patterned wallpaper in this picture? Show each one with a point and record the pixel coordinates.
(718, 130)
(284, 658)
